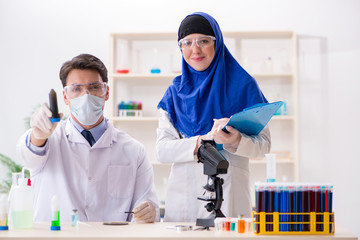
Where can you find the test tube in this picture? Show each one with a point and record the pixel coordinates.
(285, 198)
(270, 167)
(298, 207)
(323, 204)
(317, 191)
(281, 197)
(291, 208)
(330, 197)
(259, 207)
(306, 207)
(3, 212)
(55, 214)
(270, 208)
(53, 106)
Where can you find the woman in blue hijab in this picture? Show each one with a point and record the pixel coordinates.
(212, 86)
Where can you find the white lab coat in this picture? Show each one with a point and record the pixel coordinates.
(102, 181)
(187, 177)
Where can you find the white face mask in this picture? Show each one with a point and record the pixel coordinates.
(87, 109)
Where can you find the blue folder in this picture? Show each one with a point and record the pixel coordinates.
(252, 120)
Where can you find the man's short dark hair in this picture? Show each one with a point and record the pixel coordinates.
(82, 62)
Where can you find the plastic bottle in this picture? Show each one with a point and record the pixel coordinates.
(22, 199)
(241, 224)
(55, 214)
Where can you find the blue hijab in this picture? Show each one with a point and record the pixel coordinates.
(197, 97)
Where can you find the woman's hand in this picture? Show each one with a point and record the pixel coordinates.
(229, 140)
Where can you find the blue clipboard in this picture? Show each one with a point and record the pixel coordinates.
(252, 120)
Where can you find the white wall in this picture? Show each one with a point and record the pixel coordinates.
(37, 36)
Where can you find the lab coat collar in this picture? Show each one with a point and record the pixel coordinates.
(106, 140)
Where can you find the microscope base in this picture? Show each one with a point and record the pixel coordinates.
(206, 222)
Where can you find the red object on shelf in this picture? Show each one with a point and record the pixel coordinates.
(122, 70)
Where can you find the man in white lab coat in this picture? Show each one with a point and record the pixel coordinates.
(89, 164)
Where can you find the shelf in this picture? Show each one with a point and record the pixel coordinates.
(142, 76)
(146, 36)
(135, 119)
(282, 117)
(173, 35)
(272, 75)
(155, 119)
(144, 79)
(258, 34)
(278, 161)
(149, 76)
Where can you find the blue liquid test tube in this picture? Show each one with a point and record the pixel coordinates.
(53, 106)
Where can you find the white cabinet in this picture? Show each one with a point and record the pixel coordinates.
(270, 57)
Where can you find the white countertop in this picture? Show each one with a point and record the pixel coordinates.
(134, 231)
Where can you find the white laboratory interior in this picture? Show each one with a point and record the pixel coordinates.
(305, 53)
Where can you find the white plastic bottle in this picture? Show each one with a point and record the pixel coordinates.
(22, 199)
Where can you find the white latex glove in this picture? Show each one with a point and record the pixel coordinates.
(42, 127)
(145, 212)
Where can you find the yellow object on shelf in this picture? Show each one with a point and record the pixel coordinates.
(269, 223)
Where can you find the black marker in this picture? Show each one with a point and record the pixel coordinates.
(54, 107)
(225, 130)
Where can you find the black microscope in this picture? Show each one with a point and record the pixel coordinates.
(214, 164)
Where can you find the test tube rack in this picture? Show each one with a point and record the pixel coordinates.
(320, 223)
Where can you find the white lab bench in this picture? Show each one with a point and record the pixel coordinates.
(135, 231)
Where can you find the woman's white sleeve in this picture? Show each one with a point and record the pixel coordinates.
(255, 146)
(170, 146)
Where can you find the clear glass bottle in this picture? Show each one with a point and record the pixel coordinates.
(155, 65)
(74, 218)
(123, 65)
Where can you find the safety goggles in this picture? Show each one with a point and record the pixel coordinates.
(98, 89)
(201, 42)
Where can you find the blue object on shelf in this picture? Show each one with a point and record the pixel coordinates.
(155, 70)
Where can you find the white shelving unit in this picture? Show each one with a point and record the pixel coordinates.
(269, 56)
